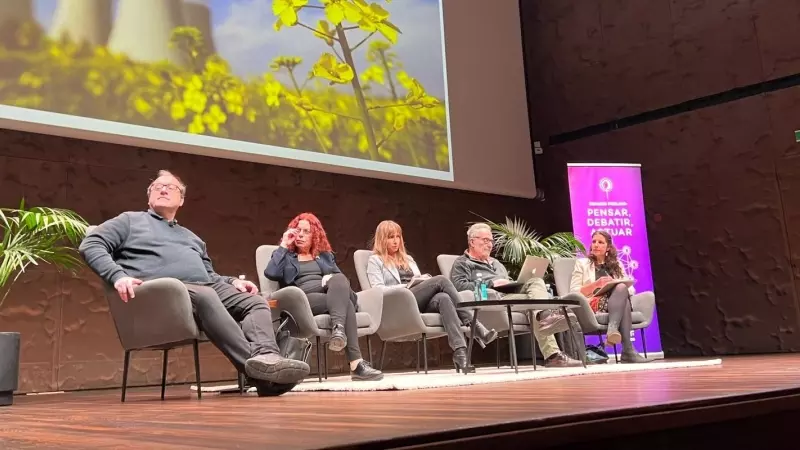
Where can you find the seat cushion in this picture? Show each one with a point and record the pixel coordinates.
(519, 318)
(432, 319)
(636, 317)
(323, 321)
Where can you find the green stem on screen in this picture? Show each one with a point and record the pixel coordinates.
(359, 93)
(385, 63)
(313, 122)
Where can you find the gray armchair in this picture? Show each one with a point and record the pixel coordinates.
(159, 318)
(293, 300)
(402, 321)
(491, 319)
(643, 304)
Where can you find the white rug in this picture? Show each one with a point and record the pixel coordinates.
(449, 378)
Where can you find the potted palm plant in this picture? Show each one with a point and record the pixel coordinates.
(29, 237)
(515, 240)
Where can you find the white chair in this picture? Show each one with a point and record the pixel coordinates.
(294, 301)
(643, 304)
(401, 321)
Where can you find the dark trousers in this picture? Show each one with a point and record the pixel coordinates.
(219, 308)
(438, 294)
(340, 302)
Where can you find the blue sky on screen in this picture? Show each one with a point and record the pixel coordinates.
(244, 36)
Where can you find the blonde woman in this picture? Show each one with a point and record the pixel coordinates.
(391, 267)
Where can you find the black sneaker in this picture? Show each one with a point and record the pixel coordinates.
(364, 372)
(338, 339)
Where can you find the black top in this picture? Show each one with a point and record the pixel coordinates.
(405, 275)
(309, 277)
(600, 271)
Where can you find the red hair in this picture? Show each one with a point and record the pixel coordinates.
(319, 239)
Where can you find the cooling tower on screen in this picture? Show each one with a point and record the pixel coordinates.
(196, 13)
(15, 11)
(82, 21)
(142, 30)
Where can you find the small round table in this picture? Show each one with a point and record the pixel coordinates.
(519, 304)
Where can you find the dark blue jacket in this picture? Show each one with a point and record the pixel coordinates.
(283, 266)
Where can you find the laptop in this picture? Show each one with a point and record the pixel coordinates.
(534, 266)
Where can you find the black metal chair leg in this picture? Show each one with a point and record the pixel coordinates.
(197, 368)
(512, 345)
(319, 365)
(383, 353)
(418, 355)
(425, 350)
(531, 318)
(164, 374)
(241, 383)
(497, 351)
(644, 342)
(616, 359)
(125, 366)
(369, 350)
(325, 360)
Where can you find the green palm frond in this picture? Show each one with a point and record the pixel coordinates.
(37, 235)
(514, 240)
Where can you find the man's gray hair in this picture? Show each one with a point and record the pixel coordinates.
(475, 228)
(163, 173)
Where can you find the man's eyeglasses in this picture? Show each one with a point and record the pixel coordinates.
(169, 187)
(484, 240)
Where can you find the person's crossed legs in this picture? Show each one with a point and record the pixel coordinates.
(251, 348)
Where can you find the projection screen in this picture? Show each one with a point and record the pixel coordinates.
(421, 91)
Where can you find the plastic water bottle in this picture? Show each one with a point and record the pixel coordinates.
(550, 290)
(484, 290)
(478, 287)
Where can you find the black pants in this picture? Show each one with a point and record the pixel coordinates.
(340, 302)
(219, 308)
(438, 294)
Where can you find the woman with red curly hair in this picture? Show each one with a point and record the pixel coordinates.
(305, 260)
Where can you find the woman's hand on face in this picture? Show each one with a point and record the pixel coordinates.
(288, 237)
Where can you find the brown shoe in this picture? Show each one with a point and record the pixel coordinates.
(561, 360)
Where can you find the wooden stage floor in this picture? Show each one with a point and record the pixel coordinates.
(383, 419)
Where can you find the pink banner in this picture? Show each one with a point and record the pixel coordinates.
(609, 197)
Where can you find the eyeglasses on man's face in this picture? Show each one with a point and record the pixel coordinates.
(167, 186)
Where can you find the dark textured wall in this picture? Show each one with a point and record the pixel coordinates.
(68, 337)
(721, 183)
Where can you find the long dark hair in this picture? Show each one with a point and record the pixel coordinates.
(611, 262)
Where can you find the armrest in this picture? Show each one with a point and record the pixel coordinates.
(644, 303)
(370, 301)
(586, 318)
(294, 301)
(401, 316)
(160, 314)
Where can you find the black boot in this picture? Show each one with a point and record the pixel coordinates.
(484, 336)
(338, 338)
(364, 372)
(460, 361)
(632, 357)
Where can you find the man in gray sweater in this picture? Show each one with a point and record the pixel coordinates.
(477, 260)
(138, 246)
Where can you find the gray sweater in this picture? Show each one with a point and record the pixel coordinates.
(144, 245)
(465, 271)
